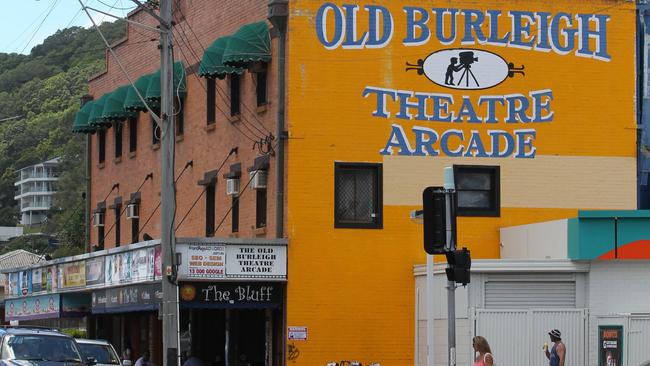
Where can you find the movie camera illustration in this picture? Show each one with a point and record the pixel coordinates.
(463, 68)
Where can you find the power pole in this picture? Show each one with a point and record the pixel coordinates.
(167, 190)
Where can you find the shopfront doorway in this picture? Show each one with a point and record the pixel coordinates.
(241, 331)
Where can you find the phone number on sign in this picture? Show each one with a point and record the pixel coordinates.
(206, 272)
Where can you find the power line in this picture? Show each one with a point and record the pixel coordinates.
(241, 192)
(114, 7)
(217, 106)
(56, 2)
(26, 29)
(264, 139)
(199, 60)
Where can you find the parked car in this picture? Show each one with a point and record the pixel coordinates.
(100, 352)
(25, 346)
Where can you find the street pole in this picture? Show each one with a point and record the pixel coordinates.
(451, 246)
(430, 313)
(167, 190)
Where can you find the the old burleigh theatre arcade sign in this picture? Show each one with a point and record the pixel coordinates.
(484, 96)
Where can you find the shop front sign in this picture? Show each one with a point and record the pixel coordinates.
(37, 307)
(127, 298)
(130, 267)
(95, 272)
(208, 261)
(204, 261)
(256, 261)
(231, 295)
(74, 274)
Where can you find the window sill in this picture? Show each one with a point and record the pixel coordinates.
(180, 138)
(117, 160)
(233, 235)
(155, 146)
(259, 231)
(101, 165)
(132, 154)
(235, 118)
(211, 127)
(261, 109)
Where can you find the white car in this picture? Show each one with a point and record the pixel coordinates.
(101, 352)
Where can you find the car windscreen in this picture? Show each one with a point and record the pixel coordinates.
(37, 347)
(103, 354)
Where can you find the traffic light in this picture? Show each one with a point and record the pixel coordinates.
(435, 220)
(460, 263)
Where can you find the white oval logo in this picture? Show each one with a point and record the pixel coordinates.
(466, 68)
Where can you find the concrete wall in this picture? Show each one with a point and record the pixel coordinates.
(544, 240)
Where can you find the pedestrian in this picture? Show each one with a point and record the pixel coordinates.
(557, 355)
(126, 357)
(482, 346)
(144, 360)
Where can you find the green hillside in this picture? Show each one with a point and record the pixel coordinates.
(39, 96)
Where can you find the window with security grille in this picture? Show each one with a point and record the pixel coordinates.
(358, 195)
(478, 189)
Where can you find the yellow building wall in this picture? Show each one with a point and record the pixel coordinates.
(353, 288)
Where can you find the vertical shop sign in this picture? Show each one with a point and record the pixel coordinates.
(610, 349)
(95, 272)
(37, 280)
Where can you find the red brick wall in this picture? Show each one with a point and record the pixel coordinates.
(208, 20)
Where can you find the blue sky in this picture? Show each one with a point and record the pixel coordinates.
(20, 19)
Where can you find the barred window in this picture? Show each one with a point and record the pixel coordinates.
(478, 190)
(358, 195)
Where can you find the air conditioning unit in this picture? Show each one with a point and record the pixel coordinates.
(132, 211)
(258, 179)
(98, 219)
(232, 186)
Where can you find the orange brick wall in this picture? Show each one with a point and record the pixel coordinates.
(207, 149)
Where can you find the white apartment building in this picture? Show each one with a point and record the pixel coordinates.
(36, 186)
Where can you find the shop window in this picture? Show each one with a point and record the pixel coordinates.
(211, 101)
(260, 208)
(179, 116)
(235, 214)
(210, 207)
(101, 145)
(133, 134)
(235, 86)
(478, 190)
(260, 88)
(358, 195)
(117, 134)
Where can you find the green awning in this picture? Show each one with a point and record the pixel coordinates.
(131, 101)
(252, 42)
(114, 107)
(80, 124)
(180, 85)
(212, 61)
(96, 117)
